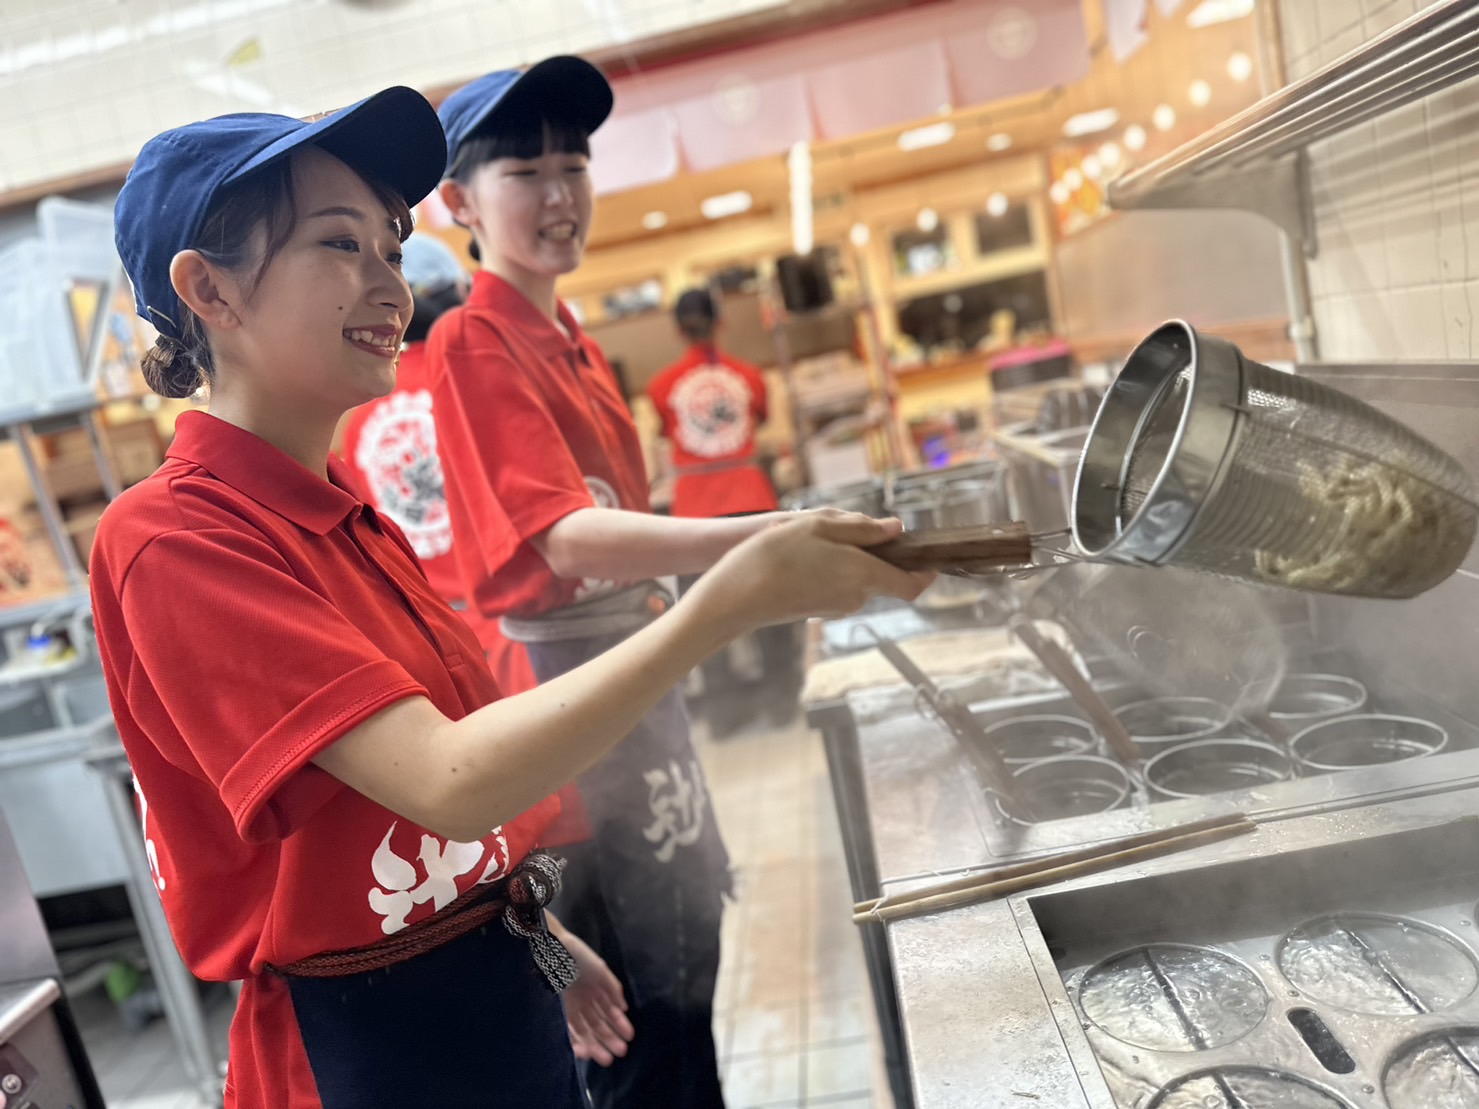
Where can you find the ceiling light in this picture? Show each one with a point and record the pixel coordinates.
(726, 204)
(859, 235)
(931, 134)
(1200, 93)
(1135, 137)
(999, 142)
(1089, 123)
(1109, 154)
(1239, 66)
(1209, 12)
(655, 221)
(1058, 193)
(1093, 167)
(997, 204)
(928, 220)
(1164, 117)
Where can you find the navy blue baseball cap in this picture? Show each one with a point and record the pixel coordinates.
(392, 136)
(563, 89)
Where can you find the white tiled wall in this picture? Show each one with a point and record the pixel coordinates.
(1396, 205)
(84, 83)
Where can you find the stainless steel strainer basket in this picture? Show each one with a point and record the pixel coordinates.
(1205, 459)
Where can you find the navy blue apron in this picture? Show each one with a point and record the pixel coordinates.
(647, 893)
(472, 1024)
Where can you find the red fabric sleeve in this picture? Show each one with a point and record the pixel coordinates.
(238, 621)
(659, 390)
(505, 458)
(760, 408)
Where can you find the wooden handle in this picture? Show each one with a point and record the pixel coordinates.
(1059, 872)
(983, 548)
(1032, 866)
(1058, 664)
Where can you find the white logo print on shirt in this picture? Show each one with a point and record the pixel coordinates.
(397, 453)
(605, 496)
(712, 404)
(149, 849)
(677, 805)
(442, 863)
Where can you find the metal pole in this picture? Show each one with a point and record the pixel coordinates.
(51, 513)
(177, 986)
(1292, 254)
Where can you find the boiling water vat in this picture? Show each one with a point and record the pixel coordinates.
(1440, 1071)
(1170, 997)
(1379, 965)
(1244, 1088)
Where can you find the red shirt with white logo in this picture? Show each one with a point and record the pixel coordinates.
(531, 426)
(249, 614)
(711, 405)
(392, 443)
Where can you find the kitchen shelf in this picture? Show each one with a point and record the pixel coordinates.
(1254, 160)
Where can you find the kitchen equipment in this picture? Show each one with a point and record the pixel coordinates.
(1207, 766)
(1201, 458)
(859, 496)
(970, 497)
(1342, 974)
(958, 721)
(1158, 723)
(1057, 663)
(1305, 698)
(1064, 786)
(989, 471)
(1003, 880)
(42, 1061)
(1371, 739)
(1024, 739)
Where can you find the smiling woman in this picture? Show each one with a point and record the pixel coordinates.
(310, 726)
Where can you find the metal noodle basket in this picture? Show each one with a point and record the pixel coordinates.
(1202, 458)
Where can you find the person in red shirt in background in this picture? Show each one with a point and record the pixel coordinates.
(391, 442)
(711, 405)
(555, 536)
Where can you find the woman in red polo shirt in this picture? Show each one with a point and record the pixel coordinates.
(555, 536)
(711, 404)
(339, 809)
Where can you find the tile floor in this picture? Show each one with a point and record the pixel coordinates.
(793, 1020)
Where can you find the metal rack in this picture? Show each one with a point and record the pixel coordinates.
(24, 428)
(1254, 161)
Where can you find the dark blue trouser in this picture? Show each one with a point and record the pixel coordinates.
(470, 1025)
(647, 893)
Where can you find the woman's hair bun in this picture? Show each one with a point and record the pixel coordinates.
(171, 370)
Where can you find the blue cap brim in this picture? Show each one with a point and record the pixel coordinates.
(393, 137)
(566, 89)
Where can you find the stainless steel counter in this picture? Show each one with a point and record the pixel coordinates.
(990, 1021)
(984, 1016)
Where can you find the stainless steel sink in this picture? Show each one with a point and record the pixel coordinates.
(1341, 975)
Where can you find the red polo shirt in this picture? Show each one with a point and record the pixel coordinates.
(392, 444)
(711, 405)
(250, 613)
(531, 426)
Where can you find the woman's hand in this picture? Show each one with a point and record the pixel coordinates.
(595, 1009)
(809, 564)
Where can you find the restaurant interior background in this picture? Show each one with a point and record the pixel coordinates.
(935, 224)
